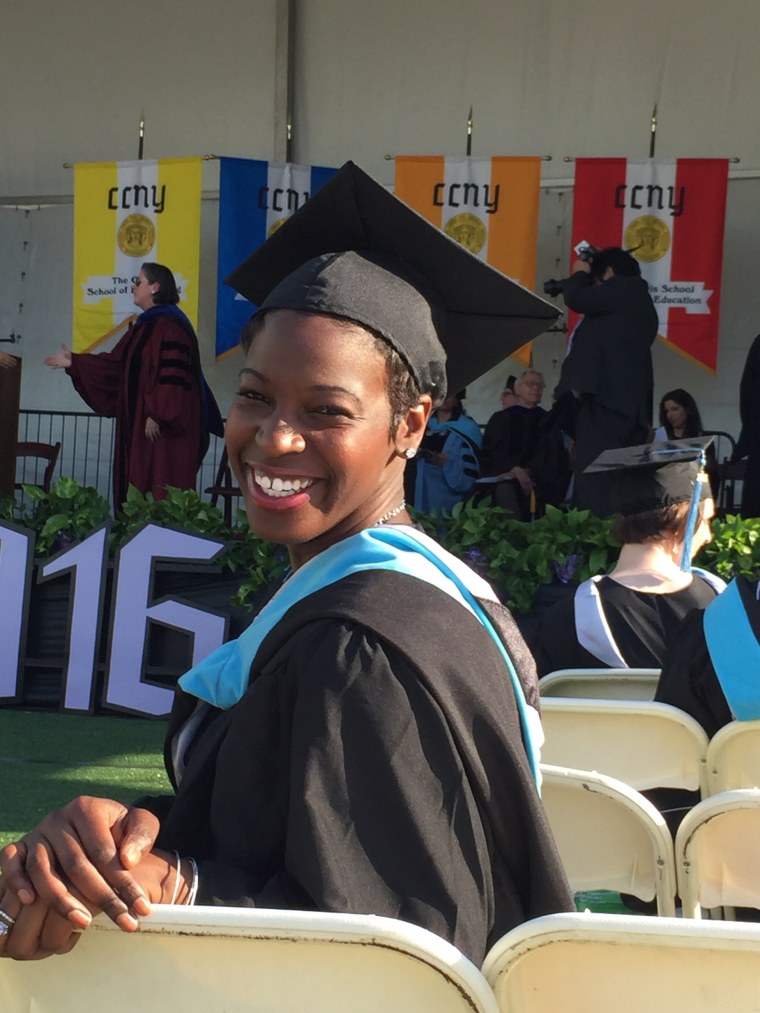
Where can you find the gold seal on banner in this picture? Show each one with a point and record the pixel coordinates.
(276, 224)
(648, 238)
(136, 236)
(468, 230)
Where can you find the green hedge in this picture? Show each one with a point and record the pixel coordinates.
(515, 556)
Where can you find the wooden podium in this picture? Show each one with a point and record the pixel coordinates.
(10, 392)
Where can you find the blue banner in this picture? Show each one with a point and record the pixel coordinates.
(255, 198)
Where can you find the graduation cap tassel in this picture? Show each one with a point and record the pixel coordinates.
(691, 520)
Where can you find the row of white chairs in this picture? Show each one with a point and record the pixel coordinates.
(586, 963)
(644, 743)
(236, 960)
(612, 838)
(602, 683)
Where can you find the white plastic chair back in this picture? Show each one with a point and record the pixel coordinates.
(733, 757)
(237, 961)
(609, 836)
(593, 963)
(645, 744)
(601, 683)
(718, 853)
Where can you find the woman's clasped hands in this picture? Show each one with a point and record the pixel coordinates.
(91, 855)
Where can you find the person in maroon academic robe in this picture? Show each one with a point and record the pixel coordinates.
(152, 384)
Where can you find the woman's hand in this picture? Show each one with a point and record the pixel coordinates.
(39, 931)
(152, 430)
(60, 361)
(80, 857)
(36, 931)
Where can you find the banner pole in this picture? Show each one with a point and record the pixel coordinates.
(141, 140)
(469, 133)
(653, 131)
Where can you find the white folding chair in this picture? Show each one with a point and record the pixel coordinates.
(733, 757)
(601, 683)
(609, 836)
(717, 854)
(643, 743)
(241, 960)
(593, 963)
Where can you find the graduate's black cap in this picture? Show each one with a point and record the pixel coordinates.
(354, 250)
(654, 474)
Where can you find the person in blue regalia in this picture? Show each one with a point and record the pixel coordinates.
(446, 467)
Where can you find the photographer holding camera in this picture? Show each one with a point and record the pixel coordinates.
(605, 386)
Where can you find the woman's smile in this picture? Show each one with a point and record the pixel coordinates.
(277, 491)
(279, 487)
(309, 432)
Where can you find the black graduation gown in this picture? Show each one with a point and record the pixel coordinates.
(374, 765)
(510, 439)
(749, 439)
(609, 368)
(689, 679)
(529, 438)
(641, 624)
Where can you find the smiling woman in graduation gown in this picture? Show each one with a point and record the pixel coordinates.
(369, 744)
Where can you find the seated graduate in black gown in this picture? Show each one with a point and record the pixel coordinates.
(523, 448)
(712, 666)
(626, 618)
(368, 744)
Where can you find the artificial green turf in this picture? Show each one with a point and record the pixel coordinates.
(47, 759)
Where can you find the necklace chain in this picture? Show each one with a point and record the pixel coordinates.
(391, 513)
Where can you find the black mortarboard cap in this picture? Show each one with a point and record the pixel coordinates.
(356, 251)
(654, 474)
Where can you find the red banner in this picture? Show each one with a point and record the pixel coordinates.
(671, 216)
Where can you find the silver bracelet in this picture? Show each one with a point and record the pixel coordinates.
(194, 888)
(177, 877)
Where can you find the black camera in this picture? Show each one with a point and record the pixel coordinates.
(552, 287)
(583, 251)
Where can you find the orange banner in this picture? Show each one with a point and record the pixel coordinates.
(489, 205)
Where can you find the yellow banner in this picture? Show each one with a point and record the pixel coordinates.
(489, 205)
(127, 213)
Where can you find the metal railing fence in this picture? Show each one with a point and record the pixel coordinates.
(86, 453)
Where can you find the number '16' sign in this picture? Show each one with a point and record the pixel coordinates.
(131, 611)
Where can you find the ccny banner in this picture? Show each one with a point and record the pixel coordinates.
(489, 205)
(126, 213)
(671, 216)
(255, 199)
